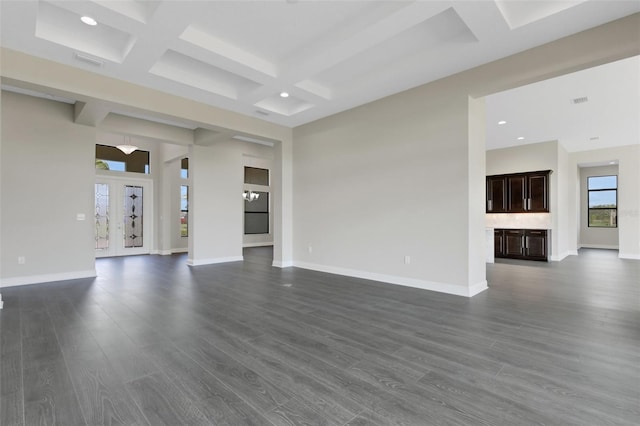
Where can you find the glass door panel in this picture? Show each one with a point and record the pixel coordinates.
(122, 217)
(133, 216)
(102, 217)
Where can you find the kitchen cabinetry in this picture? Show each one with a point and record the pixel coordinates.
(496, 194)
(536, 244)
(530, 244)
(518, 192)
(498, 243)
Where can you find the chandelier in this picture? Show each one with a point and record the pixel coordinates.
(250, 196)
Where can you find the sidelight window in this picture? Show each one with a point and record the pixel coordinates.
(184, 211)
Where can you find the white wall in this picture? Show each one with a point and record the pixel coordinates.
(216, 203)
(392, 179)
(628, 158)
(590, 236)
(563, 221)
(47, 179)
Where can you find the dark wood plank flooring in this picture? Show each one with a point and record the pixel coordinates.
(152, 341)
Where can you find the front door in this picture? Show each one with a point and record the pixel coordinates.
(122, 217)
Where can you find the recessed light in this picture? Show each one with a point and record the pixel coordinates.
(89, 20)
(521, 138)
(284, 94)
(502, 122)
(612, 162)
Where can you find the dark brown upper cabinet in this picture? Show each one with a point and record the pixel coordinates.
(496, 194)
(518, 192)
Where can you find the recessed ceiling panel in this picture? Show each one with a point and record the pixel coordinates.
(284, 106)
(64, 27)
(274, 30)
(443, 29)
(215, 45)
(140, 10)
(192, 72)
(520, 13)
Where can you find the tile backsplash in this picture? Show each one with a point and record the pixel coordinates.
(518, 220)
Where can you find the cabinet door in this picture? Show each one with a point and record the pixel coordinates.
(496, 194)
(513, 242)
(517, 193)
(498, 243)
(537, 200)
(536, 244)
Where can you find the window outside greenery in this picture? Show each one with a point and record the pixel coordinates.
(603, 201)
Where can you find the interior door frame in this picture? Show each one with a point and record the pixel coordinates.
(116, 245)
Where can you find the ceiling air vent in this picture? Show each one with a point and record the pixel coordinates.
(88, 59)
(579, 100)
(261, 112)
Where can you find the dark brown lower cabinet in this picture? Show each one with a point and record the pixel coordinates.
(530, 244)
(498, 242)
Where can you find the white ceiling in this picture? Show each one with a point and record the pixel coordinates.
(545, 111)
(328, 55)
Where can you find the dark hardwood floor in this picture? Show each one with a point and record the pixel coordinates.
(152, 341)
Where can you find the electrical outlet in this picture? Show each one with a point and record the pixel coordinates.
(407, 260)
(22, 260)
(310, 249)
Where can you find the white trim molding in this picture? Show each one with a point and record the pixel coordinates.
(45, 278)
(599, 246)
(172, 251)
(457, 290)
(559, 257)
(282, 263)
(258, 244)
(212, 261)
(635, 256)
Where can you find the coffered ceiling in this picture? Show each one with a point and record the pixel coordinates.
(327, 55)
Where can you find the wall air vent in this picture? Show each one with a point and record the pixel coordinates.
(579, 100)
(88, 59)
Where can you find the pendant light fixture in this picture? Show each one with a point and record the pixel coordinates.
(126, 147)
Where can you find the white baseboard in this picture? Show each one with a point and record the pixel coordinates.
(635, 256)
(559, 257)
(282, 264)
(172, 251)
(403, 281)
(599, 246)
(262, 244)
(45, 278)
(211, 261)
